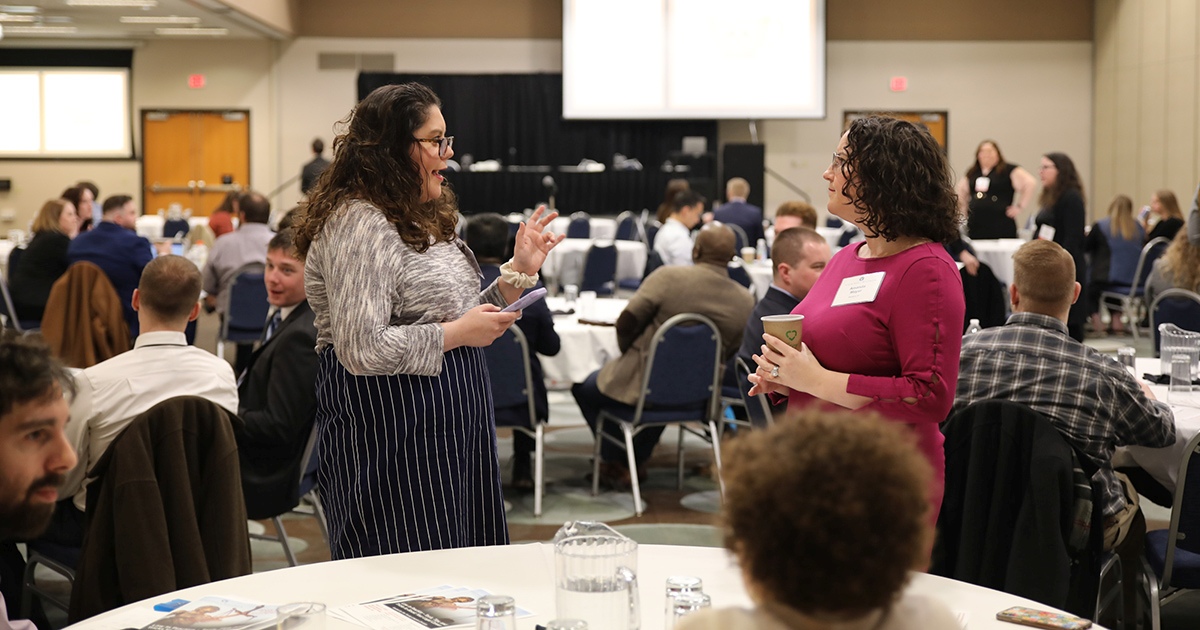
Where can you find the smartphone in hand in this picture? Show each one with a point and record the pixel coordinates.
(525, 300)
(1042, 619)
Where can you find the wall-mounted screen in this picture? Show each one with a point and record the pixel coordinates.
(660, 59)
(64, 113)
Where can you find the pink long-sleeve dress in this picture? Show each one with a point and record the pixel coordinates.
(903, 344)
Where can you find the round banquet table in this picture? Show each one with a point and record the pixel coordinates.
(997, 253)
(1163, 463)
(564, 263)
(525, 572)
(585, 347)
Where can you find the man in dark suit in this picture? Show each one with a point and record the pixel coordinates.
(703, 288)
(738, 212)
(487, 236)
(312, 170)
(277, 392)
(799, 257)
(115, 247)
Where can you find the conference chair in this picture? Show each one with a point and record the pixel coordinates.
(650, 229)
(653, 261)
(308, 494)
(628, 227)
(84, 322)
(1014, 513)
(246, 307)
(600, 269)
(580, 226)
(739, 237)
(10, 312)
(513, 398)
(57, 558)
(670, 395)
(1171, 565)
(155, 541)
(737, 273)
(14, 258)
(1174, 306)
(757, 407)
(1129, 300)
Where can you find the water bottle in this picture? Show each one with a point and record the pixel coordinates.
(762, 249)
(974, 327)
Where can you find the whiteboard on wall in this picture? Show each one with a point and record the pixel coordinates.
(662, 59)
(65, 113)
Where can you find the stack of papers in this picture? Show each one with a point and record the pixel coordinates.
(439, 607)
(217, 612)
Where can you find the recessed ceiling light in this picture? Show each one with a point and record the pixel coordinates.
(197, 32)
(13, 8)
(144, 4)
(166, 19)
(7, 18)
(40, 30)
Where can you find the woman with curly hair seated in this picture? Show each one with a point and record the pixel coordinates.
(1178, 268)
(822, 543)
(883, 324)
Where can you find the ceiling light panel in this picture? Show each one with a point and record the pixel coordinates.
(40, 30)
(141, 4)
(165, 19)
(9, 18)
(194, 32)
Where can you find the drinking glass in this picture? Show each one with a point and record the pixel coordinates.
(496, 612)
(566, 624)
(686, 604)
(679, 585)
(1181, 375)
(300, 616)
(1127, 356)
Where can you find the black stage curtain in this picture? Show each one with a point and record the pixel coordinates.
(517, 119)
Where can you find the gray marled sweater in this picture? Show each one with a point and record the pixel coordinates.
(378, 302)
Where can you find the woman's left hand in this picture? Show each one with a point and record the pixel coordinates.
(534, 242)
(798, 368)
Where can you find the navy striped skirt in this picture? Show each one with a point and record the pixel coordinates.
(408, 463)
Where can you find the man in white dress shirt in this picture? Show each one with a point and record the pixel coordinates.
(110, 394)
(674, 240)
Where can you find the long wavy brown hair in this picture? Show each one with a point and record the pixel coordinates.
(1181, 263)
(372, 161)
(1067, 179)
(905, 187)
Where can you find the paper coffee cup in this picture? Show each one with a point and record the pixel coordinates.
(748, 254)
(786, 327)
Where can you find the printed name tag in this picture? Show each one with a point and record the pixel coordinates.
(858, 289)
(1046, 232)
(982, 183)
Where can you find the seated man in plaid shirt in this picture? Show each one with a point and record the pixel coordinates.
(1091, 399)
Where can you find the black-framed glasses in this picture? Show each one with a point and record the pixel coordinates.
(444, 144)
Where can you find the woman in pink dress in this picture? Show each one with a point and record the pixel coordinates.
(883, 324)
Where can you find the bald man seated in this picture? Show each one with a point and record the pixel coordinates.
(703, 288)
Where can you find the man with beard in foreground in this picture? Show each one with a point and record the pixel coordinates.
(34, 453)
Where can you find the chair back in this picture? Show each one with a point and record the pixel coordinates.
(246, 305)
(1175, 306)
(738, 274)
(310, 461)
(757, 407)
(653, 261)
(580, 226)
(1150, 253)
(628, 227)
(651, 231)
(600, 269)
(9, 312)
(739, 237)
(84, 322)
(14, 258)
(511, 373)
(691, 340)
(1184, 532)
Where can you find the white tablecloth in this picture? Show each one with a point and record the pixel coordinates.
(6, 247)
(564, 264)
(761, 275)
(585, 347)
(997, 254)
(604, 228)
(525, 572)
(151, 225)
(1163, 463)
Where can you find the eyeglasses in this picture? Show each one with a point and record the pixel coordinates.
(444, 144)
(839, 161)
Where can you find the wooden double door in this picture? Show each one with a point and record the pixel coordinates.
(193, 158)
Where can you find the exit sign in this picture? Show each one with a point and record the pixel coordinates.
(195, 81)
(898, 84)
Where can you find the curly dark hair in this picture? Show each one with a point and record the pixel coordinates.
(28, 371)
(904, 184)
(372, 161)
(1067, 179)
(828, 510)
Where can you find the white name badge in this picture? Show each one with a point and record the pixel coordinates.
(982, 183)
(858, 289)
(1046, 232)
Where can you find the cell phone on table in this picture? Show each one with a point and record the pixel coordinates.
(525, 300)
(1042, 619)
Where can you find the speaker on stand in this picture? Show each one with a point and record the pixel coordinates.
(747, 161)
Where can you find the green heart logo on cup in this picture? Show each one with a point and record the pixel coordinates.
(786, 327)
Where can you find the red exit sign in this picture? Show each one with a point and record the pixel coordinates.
(195, 81)
(898, 84)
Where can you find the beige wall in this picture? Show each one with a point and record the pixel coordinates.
(1147, 97)
(239, 75)
(1030, 97)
